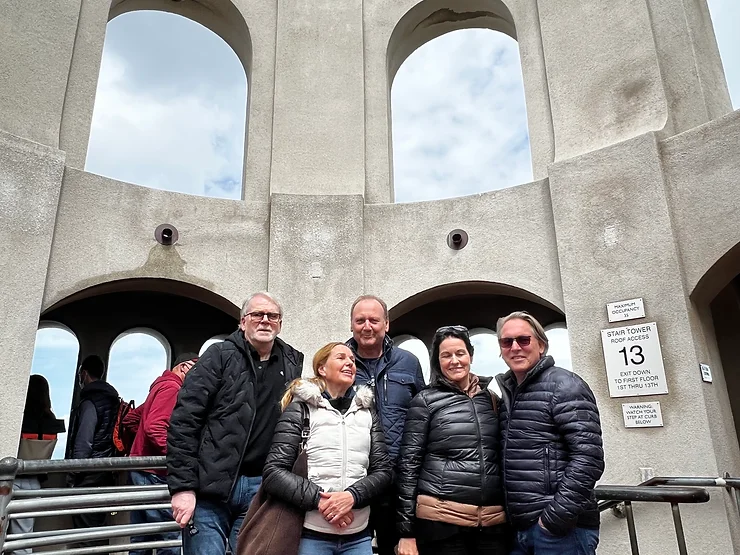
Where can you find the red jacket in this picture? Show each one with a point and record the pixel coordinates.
(151, 420)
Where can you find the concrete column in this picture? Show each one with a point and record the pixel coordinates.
(615, 242)
(36, 40)
(316, 266)
(319, 126)
(30, 179)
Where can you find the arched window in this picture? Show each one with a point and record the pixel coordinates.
(211, 341)
(459, 118)
(559, 345)
(417, 348)
(137, 357)
(55, 357)
(170, 107)
(725, 18)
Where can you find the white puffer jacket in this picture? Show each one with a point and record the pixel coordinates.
(338, 449)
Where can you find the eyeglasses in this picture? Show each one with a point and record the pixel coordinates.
(451, 329)
(257, 317)
(508, 342)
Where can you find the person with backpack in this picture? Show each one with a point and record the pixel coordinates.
(91, 434)
(148, 424)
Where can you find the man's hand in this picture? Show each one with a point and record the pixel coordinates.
(336, 504)
(183, 507)
(407, 546)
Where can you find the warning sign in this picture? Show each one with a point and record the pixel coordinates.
(642, 415)
(634, 361)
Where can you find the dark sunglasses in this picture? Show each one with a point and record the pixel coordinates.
(508, 342)
(451, 329)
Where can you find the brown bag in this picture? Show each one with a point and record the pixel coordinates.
(272, 526)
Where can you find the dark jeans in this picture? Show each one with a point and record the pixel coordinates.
(469, 541)
(91, 520)
(536, 541)
(152, 515)
(217, 523)
(383, 523)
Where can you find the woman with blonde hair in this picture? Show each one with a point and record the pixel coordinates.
(348, 464)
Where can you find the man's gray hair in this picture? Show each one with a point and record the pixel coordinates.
(263, 294)
(539, 331)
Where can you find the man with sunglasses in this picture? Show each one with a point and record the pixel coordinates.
(222, 427)
(552, 448)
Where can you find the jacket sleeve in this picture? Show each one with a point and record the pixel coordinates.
(158, 418)
(410, 461)
(577, 417)
(132, 420)
(188, 420)
(278, 478)
(87, 422)
(419, 382)
(380, 472)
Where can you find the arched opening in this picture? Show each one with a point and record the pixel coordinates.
(171, 103)
(458, 110)
(55, 357)
(137, 357)
(416, 347)
(211, 341)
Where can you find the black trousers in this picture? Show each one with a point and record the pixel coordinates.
(469, 541)
(383, 523)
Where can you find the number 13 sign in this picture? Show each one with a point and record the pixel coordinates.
(634, 361)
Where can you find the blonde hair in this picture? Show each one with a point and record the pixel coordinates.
(319, 359)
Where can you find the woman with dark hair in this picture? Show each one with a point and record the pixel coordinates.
(449, 482)
(38, 439)
(348, 464)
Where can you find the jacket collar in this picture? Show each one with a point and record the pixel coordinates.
(508, 381)
(291, 354)
(308, 392)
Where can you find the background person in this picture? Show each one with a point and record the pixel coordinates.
(396, 376)
(149, 422)
(348, 464)
(449, 480)
(553, 454)
(222, 427)
(38, 438)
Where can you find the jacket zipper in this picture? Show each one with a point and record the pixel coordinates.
(249, 433)
(344, 454)
(547, 469)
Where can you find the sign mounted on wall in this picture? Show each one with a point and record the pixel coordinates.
(634, 360)
(706, 373)
(642, 415)
(625, 310)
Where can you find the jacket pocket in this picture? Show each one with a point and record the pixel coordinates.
(398, 389)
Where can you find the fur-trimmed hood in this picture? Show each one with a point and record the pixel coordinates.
(308, 392)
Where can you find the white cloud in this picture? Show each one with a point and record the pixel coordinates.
(459, 118)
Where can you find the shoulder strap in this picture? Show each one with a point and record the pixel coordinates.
(306, 429)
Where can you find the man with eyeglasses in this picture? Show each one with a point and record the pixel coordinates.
(396, 377)
(222, 427)
(552, 448)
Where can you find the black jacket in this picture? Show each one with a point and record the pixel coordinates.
(210, 425)
(104, 398)
(397, 379)
(279, 479)
(552, 449)
(450, 450)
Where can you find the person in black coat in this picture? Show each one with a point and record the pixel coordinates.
(449, 481)
(552, 448)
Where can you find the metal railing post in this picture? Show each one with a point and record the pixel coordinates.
(8, 469)
(631, 527)
(679, 529)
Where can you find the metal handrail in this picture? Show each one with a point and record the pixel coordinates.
(652, 494)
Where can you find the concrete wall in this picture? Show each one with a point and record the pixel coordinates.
(635, 154)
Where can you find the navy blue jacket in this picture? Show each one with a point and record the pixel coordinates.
(398, 378)
(552, 449)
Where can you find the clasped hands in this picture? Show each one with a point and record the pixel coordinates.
(336, 508)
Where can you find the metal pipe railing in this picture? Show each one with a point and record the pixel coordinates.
(56, 492)
(115, 548)
(653, 494)
(113, 509)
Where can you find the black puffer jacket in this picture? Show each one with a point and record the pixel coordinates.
(450, 450)
(279, 479)
(552, 449)
(210, 425)
(104, 398)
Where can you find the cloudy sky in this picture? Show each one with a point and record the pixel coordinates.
(170, 112)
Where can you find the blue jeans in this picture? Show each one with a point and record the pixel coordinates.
(313, 546)
(536, 541)
(152, 515)
(217, 523)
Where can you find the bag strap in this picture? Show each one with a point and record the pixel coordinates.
(306, 430)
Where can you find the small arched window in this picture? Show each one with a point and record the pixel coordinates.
(211, 341)
(416, 347)
(137, 357)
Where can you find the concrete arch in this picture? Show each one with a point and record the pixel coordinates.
(717, 277)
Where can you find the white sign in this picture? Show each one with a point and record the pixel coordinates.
(634, 361)
(642, 415)
(706, 373)
(625, 310)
